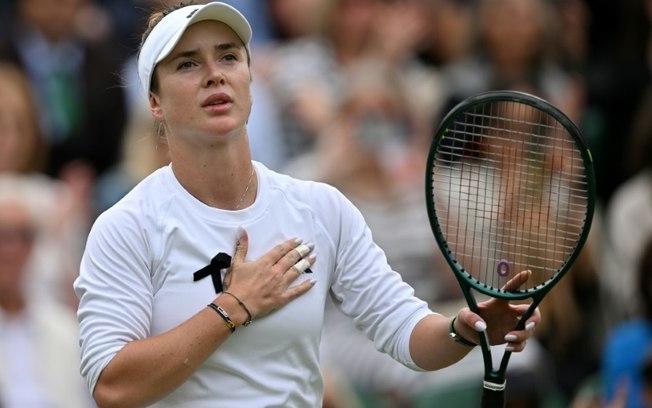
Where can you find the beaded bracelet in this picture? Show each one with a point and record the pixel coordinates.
(223, 315)
(249, 318)
(459, 339)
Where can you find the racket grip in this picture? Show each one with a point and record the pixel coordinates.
(493, 395)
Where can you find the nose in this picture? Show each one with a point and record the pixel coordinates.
(214, 75)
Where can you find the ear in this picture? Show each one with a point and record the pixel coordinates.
(155, 107)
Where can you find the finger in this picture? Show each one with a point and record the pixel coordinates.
(304, 249)
(516, 347)
(518, 279)
(241, 246)
(280, 251)
(298, 290)
(300, 251)
(301, 266)
(521, 335)
(472, 320)
(533, 320)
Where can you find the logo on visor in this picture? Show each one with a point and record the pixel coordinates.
(192, 13)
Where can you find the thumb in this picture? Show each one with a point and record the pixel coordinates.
(241, 246)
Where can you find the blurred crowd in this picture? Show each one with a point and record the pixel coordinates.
(347, 92)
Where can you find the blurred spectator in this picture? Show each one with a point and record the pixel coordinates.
(292, 19)
(629, 213)
(65, 201)
(631, 342)
(572, 45)
(81, 106)
(22, 148)
(449, 36)
(512, 50)
(305, 74)
(39, 353)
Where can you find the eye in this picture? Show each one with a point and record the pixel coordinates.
(185, 65)
(230, 58)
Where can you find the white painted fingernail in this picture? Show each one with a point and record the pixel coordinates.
(509, 348)
(313, 281)
(530, 326)
(240, 233)
(510, 338)
(480, 326)
(298, 241)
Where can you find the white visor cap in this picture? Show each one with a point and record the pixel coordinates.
(165, 35)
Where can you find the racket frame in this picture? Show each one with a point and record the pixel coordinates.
(494, 380)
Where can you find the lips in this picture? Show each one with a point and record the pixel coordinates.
(217, 99)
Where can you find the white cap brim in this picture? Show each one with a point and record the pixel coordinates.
(165, 35)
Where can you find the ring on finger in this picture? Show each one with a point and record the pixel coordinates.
(301, 266)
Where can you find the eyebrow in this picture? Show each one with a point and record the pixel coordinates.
(193, 52)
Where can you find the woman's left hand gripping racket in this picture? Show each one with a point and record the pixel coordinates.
(509, 187)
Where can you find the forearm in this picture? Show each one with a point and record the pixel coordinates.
(146, 370)
(431, 346)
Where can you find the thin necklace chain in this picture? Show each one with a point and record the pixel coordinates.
(251, 177)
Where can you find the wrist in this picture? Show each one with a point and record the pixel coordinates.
(455, 335)
(241, 314)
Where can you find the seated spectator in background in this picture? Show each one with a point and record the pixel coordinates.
(631, 342)
(512, 50)
(39, 352)
(81, 107)
(629, 212)
(306, 72)
(65, 202)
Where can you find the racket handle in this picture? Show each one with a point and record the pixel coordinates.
(493, 395)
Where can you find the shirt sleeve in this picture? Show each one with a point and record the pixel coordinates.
(114, 288)
(368, 290)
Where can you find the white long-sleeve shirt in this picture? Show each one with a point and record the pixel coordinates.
(136, 281)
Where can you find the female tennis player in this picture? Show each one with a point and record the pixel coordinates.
(205, 285)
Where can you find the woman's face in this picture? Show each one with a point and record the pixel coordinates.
(203, 91)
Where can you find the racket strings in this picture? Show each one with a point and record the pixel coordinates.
(511, 192)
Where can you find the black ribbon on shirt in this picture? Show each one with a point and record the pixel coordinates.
(219, 262)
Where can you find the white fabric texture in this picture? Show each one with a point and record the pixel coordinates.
(136, 281)
(39, 358)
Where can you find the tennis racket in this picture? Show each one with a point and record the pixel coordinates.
(509, 187)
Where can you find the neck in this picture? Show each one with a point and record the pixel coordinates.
(222, 181)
